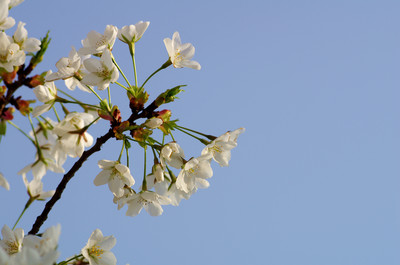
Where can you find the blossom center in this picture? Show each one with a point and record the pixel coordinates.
(216, 148)
(100, 42)
(143, 201)
(13, 247)
(95, 251)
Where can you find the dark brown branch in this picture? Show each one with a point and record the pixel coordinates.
(67, 177)
(145, 113)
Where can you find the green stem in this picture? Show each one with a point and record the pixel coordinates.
(109, 96)
(71, 259)
(47, 122)
(127, 155)
(24, 133)
(144, 183)
(201, 140)
(131, 49)
(68, 95)
(55, 112)
(140, 142)
(165, 65)
(94, 92)
(28, 203)
(39, 151)
(90, 124)
(119, 69)
(121, 85)
(203, 134)
(170, 133)
(81, 104)
(122, 150)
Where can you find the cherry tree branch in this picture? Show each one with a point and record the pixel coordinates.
(67, 177)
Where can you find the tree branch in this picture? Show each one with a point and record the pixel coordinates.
(67, 177)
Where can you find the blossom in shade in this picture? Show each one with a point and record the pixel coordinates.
(180, 54)
(97, 250)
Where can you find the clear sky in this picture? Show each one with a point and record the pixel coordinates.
(314, 180)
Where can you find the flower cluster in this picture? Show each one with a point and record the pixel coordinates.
(93, 68)
(16, 248)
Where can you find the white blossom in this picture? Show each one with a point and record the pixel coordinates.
(148, 200)
(35, 189)
(6, 22)
(20, 37)
(220, 148)
(12, 240)
(96, 43)
(153, 123)
(14, 3)
(4, 182)
(165, 188)
(116, 175)
(69, 69)
(97, 250)
(46, 243)
(180, 54)
(101, 73)
(47, 94)
(194, 175)
(72, 139)
(30, 256)
(10, 53)
(172, 154)
(132, 33)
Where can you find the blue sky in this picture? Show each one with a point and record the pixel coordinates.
(315, 178)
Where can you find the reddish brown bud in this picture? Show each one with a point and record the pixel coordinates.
(137, 102)
(119, 129)
(165, 115)
(9, 77)
(36, 81)
(23, 105)
(141, 134)
(3, 90)
(8, 114)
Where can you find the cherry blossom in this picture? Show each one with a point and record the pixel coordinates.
(96, 43)
(101, 73)
(180, 54)
(97, 250)
(132, 33)
(116, 175)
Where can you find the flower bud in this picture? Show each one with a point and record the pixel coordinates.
(153, 123)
